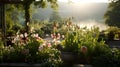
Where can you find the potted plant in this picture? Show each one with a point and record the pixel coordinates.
(81, 44)
(70, 47)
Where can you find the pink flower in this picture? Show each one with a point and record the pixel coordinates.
(84, 49)
(36, 35)
(38, 38)
(52, 36)
(49, 45)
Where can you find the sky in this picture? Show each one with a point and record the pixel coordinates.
(85, 1)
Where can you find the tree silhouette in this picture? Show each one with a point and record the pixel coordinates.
(112, 16)
(55, 17)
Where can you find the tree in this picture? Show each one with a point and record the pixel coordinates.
(55, 17)
(11, 11)
(112, 16)
(11, 17)
(38, 3)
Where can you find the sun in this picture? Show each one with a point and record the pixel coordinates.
(85, 1)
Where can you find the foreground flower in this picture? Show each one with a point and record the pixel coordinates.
(40, 47)
(49, 45)
(58, 36)
(84, 49)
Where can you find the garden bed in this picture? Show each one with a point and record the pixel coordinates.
(37, 65)
(20, 65)
(81, 65)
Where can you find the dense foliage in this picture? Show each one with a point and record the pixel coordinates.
(111, 58)
(30, 51)
(55, 17)
(112, 15)
(84, 43)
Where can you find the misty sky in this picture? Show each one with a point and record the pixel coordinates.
(86, 12)
(89, 13)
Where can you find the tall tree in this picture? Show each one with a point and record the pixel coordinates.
(38, 3)
(11, 16)
(112, 16)
(55, 17)
(27, 5)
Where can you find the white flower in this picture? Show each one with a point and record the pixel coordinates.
(36, 35)
(63, 36)
(58, 42)
(21, 36)
(25, 34)
(40, 47)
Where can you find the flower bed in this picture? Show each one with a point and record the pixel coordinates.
(80, 46)
(84, 43)
(31, 52)
(20, 65)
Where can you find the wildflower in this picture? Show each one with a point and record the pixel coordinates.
(40, 47)
(58, 36)
(58, 42)
(36, 35)
(33, 35)
(25, 34)
(21, 36)
(63, 36)
(49, 45)
(54, 40)
(47, 35)
(44, 44)
(52, 36)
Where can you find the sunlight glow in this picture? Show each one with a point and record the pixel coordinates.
(91, 23)
(37, 0)
(85, 1)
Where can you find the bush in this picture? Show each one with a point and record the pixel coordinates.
(111, 58)
(31, 52)
(85, 44)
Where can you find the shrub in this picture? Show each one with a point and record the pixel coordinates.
(84, 43)
(31, 52)
(110, 58)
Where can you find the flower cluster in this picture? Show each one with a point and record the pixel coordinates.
(34, 51)
(22, 39)
(57, 36)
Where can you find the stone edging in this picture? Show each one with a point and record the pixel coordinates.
(20, 65)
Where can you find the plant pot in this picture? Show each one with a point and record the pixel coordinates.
(68, 57)
(21, 65)
(81, 65)
(119, 36)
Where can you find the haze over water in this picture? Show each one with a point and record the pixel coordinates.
(86, 12)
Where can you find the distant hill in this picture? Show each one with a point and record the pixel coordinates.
(80, 12)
